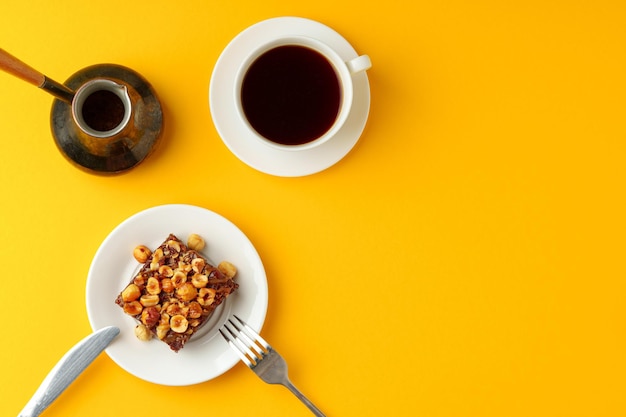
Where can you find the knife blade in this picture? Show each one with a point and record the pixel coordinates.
(67, 370)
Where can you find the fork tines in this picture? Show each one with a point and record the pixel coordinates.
(247, 343)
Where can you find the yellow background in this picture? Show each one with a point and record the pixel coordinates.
(467, 258)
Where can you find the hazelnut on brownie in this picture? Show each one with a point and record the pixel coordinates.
(175, 291)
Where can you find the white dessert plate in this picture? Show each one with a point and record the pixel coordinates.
(206, 355)
(233, 130)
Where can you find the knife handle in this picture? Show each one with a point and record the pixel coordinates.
(67, 369)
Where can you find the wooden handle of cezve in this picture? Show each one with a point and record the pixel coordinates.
(16, 67)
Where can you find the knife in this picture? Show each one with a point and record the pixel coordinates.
(67, 369)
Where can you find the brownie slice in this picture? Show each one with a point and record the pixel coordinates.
(175, 292)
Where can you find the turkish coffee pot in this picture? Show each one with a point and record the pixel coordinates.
(105, 119)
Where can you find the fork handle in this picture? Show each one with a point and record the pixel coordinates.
(304, 399)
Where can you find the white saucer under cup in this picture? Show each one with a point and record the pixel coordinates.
(236, 134)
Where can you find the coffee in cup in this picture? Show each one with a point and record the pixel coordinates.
(296, 93)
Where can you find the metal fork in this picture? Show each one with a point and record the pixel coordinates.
(255, 352)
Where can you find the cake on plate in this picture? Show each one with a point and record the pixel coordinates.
(175, 291)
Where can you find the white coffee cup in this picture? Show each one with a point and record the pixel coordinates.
(343, 71)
